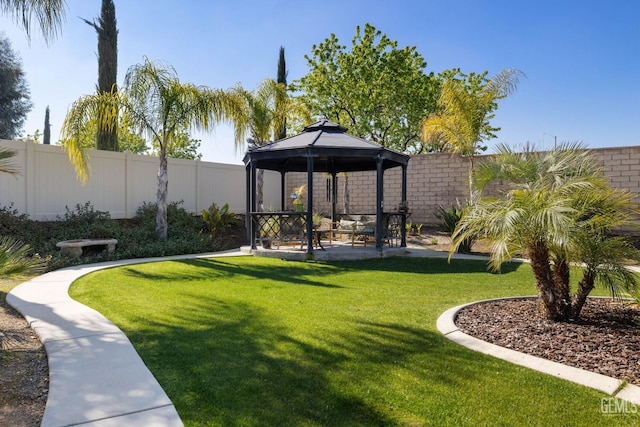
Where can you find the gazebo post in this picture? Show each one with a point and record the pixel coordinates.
(403, 228)
(309, 203)
(379, 201)
(334, 195)
(247, 220)
(282, 188)
(253, 204)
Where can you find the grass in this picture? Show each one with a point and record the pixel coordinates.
(253, 341)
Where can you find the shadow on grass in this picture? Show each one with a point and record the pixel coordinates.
(293, 272)
(423, 265)
(233, 364)
(303, 273)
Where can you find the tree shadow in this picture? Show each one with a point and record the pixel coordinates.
(298, 273)
(424, 265)
(238, 366)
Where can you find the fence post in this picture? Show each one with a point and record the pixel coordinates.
(28, 170)
(129, 183)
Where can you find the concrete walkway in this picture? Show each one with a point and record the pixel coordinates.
(96, 378)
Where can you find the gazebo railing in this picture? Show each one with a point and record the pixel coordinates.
(279, 227)
(276, 228)
(393, 224)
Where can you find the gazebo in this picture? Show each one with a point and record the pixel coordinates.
(326, 147)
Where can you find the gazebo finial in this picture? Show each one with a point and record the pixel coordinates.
(325, 125)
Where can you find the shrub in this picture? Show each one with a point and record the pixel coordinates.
(217, 220)
(136, 236)
(449, 219)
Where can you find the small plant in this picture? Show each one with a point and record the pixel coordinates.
(85, 213)
(297, 200)
(217, 220)
(419, 228)
(15, 259)
(317, 219)
(408, 227)
(449, 219)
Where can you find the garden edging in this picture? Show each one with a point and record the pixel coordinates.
(613, 387)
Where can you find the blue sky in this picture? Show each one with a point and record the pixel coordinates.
(581, 58)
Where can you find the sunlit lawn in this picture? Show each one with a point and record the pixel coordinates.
(254, 341)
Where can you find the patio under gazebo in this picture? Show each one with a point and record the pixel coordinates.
(324, 147)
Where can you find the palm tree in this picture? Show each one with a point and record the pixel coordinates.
(155, 102)
(107, 139)
(6, 165)
(48, 14)
(82, 118)
(465, 110)
(14, 255)
(268, 109)
(15, 259)
(557, 209)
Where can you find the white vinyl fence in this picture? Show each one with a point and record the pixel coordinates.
(119, 183)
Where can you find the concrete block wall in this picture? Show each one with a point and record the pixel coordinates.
(441, 179)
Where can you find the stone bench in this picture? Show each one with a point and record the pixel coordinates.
(74, 247)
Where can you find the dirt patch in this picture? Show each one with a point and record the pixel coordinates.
(24, 376)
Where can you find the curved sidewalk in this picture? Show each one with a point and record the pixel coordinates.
(96, 377)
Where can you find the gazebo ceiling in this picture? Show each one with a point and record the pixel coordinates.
(332, 149)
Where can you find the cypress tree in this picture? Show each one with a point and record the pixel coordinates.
(47, 128)
(282, 78)
(107, 138)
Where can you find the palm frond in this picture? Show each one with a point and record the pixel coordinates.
(47, 14)
(15, 258)
(6, 163)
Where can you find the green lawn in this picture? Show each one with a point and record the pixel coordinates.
(255, 341)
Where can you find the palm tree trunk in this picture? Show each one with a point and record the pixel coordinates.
(471, 189)
(163, 180)
(585, 286)
(561, 288)
(539, 256)
(259, 189)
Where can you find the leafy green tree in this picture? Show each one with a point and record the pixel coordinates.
(377, 90)
(15, 101)
(558, 209)
(181, 147)
(466, 105)
(107, 138)
(47, 14)
(157, 104)
(267, 110)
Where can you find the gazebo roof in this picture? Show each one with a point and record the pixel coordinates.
(332, 149)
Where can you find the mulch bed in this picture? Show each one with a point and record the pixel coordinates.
(605, 340)
(24, 372)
